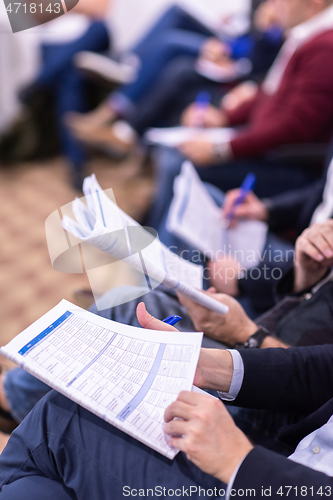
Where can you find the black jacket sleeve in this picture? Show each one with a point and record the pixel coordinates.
(265, 471)
(294, 209)
(289, 380)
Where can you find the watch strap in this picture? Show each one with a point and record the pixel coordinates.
(256, 340)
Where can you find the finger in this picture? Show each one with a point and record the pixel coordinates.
(184, 148)
(193, 398)
(325, 246)
(311, 251)
(178, 409)
(241, 212)
(328, 235)
(191, 306)
(185, 301)
(178, 442)
(148, 321)
(321, 244)
(176, 427)
(229, 200)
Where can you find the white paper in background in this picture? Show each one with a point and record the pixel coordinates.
(125, 375)
(223, 74)
(103, 213)
(195, 217)
(173, 137)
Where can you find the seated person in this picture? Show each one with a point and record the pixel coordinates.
(62, 451)
(287, 215)
(170, 48)
(303, 316)
(293, 105)
(82, 29)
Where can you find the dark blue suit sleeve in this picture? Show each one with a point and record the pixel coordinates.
(289, 380)
(265, 471)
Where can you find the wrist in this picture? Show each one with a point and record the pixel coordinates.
(222, 151)
(247, 332)
(304, 279)
(219, 370)
(263, 214)
(234, 462)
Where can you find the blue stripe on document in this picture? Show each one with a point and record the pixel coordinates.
(44, 334)
(134, 403)
(92, 361)
(186, 199)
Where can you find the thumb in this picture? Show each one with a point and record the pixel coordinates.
(148, 321)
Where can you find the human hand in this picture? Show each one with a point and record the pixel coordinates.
(201, 427)
(224, 274)
(231, 328)
(214, 50)
(199, 151)
(202, 152)
(215, 366)
(266, 16)
(251, 208)
(148, 321)
(314, 255)
(239, 95)
(193, 116)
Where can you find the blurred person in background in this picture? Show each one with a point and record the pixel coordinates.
(294, 105)
(157, 92)
(287, 215)
(83, 28)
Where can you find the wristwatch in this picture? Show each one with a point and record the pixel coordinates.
(222, 151)
(256, 340)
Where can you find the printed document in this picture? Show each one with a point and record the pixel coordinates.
(125, 375)
(195, 217)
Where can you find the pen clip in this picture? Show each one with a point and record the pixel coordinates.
(172, 320)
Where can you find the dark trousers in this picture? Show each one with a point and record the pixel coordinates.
(176, 33)
(69, 86)
(62, 451)
(176, 88)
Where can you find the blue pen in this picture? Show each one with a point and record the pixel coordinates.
(246, 187)
(202, 103)
(172, 320)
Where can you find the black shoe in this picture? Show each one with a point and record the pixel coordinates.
(29, 94)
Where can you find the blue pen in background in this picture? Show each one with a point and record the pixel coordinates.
(247, 186)
(172, 320)
(202, 103)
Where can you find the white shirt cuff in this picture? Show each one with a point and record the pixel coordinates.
(237, 377)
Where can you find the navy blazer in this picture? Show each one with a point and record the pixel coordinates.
(289, 380)
(294, 209)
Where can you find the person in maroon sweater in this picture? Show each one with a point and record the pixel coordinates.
(294, 105)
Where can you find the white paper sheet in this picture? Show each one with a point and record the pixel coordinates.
(223, 74)
(195, 217)
(110, 230)
(173, 137)
(125, 375)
